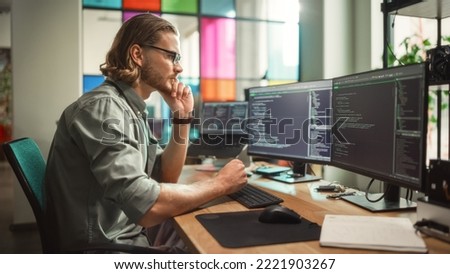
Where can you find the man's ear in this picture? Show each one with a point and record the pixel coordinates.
(137, 54)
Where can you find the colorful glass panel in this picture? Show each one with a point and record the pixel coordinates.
(224, 8)
(91, 81)
(189, 43)
(284, 51)
(218, 48)
(128, 14)
(252, 52)
(218, 90)
(112, 4)
(147, 5)
(99, 29)
(179, 6)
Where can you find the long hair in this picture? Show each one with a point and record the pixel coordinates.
(142, 29)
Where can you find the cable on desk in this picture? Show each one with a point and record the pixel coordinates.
(379, 198)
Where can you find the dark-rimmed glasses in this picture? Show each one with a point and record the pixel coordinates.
(176, 57)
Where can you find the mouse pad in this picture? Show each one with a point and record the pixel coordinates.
(240, 229)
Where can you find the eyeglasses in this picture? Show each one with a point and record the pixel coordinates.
(176, 57)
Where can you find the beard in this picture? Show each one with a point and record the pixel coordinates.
(154, 78)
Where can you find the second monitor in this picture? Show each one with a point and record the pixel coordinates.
(291, 122)
(382, 121)
(222, 132)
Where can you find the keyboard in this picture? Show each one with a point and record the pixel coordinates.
(253, 197)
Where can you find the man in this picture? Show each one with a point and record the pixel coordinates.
(96, 182)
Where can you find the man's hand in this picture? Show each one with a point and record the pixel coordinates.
(180, 100)
(232, 176)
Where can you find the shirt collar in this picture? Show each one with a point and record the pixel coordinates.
(136, 103)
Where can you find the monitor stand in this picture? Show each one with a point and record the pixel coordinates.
(297, 175)
(391, 201)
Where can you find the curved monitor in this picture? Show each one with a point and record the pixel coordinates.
(380, 119)
(291, 122)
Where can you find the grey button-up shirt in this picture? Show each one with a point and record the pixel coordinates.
(97, 186)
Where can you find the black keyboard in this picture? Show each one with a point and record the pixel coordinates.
(253, 197)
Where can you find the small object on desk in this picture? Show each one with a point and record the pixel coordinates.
(339, 195)
(278, 214)
(271, 170)
(249, 173)
(371, 232)
(330, 188)
(433, 229)
(253, 197)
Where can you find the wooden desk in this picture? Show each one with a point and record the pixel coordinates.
(300, 197)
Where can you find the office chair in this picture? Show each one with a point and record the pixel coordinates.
(28, 164)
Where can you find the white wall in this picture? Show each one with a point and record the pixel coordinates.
(99, 29)
(353, 32)
(338, 37)
(362, 42)
(376, 34)
(47, 75)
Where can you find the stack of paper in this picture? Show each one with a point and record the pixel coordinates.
(371, 232)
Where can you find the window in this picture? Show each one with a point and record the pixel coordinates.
(227, 45)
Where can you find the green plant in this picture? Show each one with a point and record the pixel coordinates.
(415, 52)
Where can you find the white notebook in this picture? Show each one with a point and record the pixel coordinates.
(371, 232)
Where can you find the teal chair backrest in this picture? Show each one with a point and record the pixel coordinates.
(27, 161)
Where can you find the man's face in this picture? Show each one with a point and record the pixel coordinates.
(158, 69)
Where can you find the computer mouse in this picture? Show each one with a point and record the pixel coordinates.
(278, 214)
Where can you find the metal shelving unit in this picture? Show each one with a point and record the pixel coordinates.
(430, 9)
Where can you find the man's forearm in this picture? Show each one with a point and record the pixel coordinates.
(174, 155)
